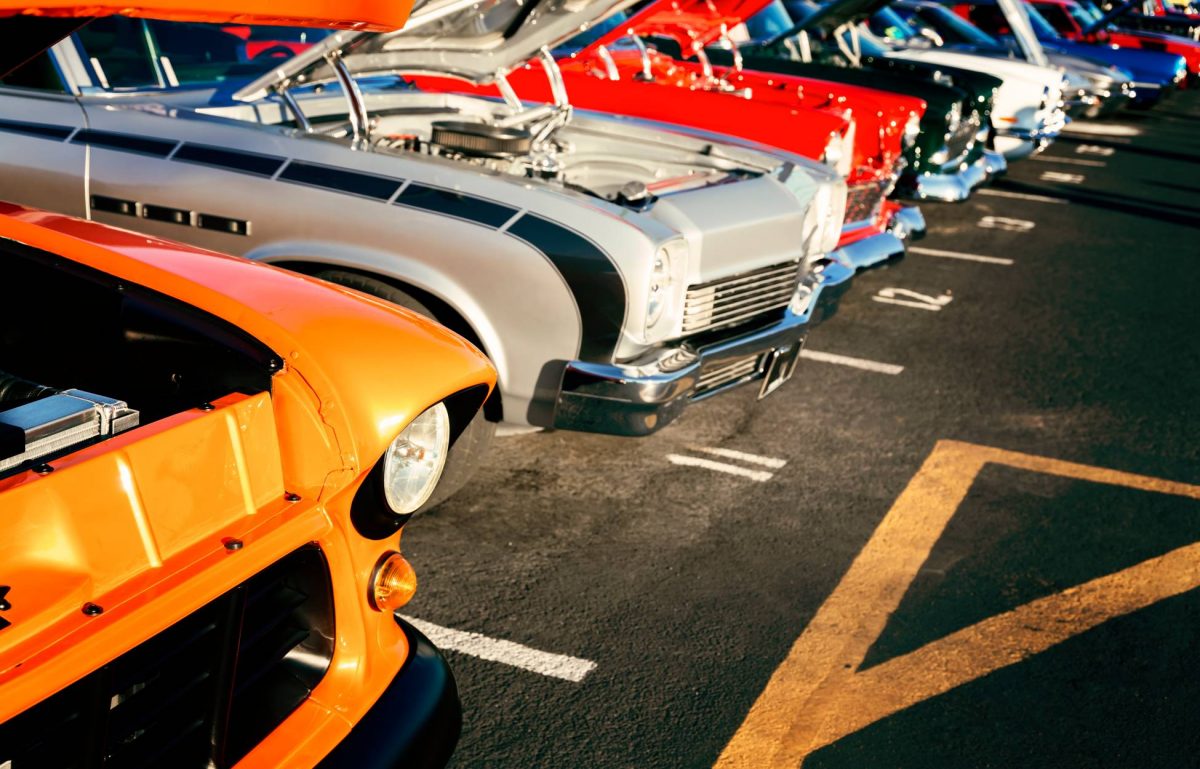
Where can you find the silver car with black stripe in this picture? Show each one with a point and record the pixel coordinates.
(613, 270)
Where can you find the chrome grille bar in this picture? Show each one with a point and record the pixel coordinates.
(739, 297)
(719, 376)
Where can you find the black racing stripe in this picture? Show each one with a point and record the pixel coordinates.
(40, 130)
(592, 277)
(234, 160)
(124, 142)
(452, 203)
(353, 182)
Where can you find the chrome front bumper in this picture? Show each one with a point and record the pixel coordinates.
(869, 251)
(908, 224)
(949, 188)
(1033, 140)
(641, 397)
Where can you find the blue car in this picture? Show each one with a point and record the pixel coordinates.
(1155, 74)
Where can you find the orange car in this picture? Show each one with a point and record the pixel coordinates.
(205, 464)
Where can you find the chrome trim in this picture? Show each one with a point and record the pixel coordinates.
(949, 188)
(995, 162)
(732, 300)
(642, 396)
(870, 251)
(908, 224)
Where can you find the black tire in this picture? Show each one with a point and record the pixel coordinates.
(472, 445)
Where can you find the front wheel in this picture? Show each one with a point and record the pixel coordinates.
(472, 444)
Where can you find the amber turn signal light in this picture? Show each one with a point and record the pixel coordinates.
(393, 584)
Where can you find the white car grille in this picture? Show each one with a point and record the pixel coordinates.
(739, 298)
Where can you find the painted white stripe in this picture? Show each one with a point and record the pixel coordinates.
(1070, 161)
(1020, 196)
(905, 303)
(753, 459)
(846, 360)
(1100, 129)
(1094, 149)
(494, 650)
(1006, 223)
(958, 255)
(1059, 176)
(720, 467)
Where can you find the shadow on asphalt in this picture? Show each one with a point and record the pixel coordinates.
(1100, 141)
(1187, 216)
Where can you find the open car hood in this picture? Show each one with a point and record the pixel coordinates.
(473, 40)
(30, 28)
(834, 14)
(692, 24)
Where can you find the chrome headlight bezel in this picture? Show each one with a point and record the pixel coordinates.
(666, 285)
(839, 152)
(912, 130)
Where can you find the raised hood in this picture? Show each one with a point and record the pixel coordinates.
(834, 14)
(30, 29)
(693, 24)
(472, 40)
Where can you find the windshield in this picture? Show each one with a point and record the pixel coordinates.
(1041, 27)
(127, 54)
(953, 29)
(771, 21)
(892, 26)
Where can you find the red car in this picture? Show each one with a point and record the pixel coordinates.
(1079, 21)
(859, 131)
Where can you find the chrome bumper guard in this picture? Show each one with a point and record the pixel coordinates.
(643, 396)
(949, 188)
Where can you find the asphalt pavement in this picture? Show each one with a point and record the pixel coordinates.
(972, 532)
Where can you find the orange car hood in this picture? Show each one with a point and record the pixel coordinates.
(377, 15)
(30, 29)
(117, 518)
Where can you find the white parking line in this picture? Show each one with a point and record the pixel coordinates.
(1006, 223)
(958, 255)
(495, 650)
(1100, 129)
(1094, 149)
(1058, 176)
(1071, 161)
(846, 360)
(721, 467)
(1021, 196)
(753, 459)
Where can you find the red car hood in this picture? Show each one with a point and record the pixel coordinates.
(691, 23)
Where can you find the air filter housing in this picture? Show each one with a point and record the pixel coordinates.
(482, 140)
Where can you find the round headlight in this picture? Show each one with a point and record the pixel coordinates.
(912, 129)
(415, 460)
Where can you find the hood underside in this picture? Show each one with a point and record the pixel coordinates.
(29, 29)
(473, 40)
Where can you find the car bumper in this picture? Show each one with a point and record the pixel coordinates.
(1020, 143)
(948, 187)
(642, 397)
(414, 724)
(869, 251)
(908, 224)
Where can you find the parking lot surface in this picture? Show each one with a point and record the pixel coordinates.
(963, 534)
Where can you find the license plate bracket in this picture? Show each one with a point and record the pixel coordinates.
(779, 366)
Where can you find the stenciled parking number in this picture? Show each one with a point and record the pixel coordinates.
(908, 298)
